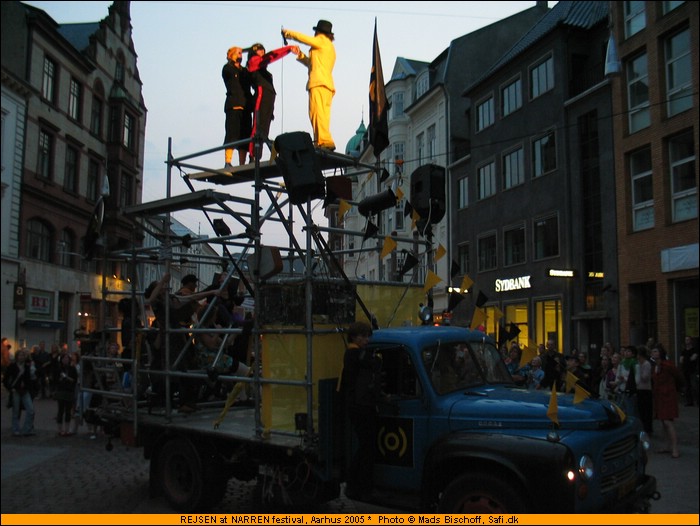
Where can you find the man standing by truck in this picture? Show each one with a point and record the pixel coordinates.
(361, 387)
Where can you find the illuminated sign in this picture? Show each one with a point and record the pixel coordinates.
(560, 273)
(504, 285)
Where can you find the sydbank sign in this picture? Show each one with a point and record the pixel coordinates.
(505, 285)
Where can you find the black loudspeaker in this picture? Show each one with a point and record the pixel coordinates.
(300, 167)
(374, 204)
(428, 192)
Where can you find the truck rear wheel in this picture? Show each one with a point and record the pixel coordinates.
(480, 493)
(181, 475)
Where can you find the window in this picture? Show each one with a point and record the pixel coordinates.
(45, 157)
(487, 180)
(513, 168)
(432, 146)
(93, 179)
(514, 245)
(48, 82)
(397, 105)
(487, 253)
(635, 18)
(422, 84)
(420, 145)
(485, 114)
(638, 93)
(679, 83)
(38, 240)
(128, 132)
(549, 322)
(463, 193)
(463, 258)
(683, 188)
(125, 190)
(119, 69)
(66, 245)
(70, 177)
(544, 154)
(399, 214)
(96, 116)
(511, 97)
(398, 157)
(546, 237)
(75, 100)
(642, 190)
(542, 78)
(671, 5)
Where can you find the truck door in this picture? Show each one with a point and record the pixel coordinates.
(403, 423)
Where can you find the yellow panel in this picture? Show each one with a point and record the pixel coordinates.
(392, 305)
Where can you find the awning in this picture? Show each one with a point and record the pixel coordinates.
(44, 324)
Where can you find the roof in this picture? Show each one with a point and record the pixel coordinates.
(78, 35)
(580, 15)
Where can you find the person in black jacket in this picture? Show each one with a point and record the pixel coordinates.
(238, 106)
(19, 380)
(361, 388)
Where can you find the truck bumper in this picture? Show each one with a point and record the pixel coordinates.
(638, 501)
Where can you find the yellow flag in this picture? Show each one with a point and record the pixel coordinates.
(389, 246)
(415, 216)
(431, 280)
(343, 208)
(553, 409)
(440, 252)
(580, 394)
(620, 412)
(571, 380)
(497, 314)
(466, 283)
(399, 194)
(478, 318)
(527, 355)
(532, 345)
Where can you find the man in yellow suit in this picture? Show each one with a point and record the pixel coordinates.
(320, 86)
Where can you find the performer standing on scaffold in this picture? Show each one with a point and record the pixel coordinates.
(265, 94)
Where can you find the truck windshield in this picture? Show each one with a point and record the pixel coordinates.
(455, 366)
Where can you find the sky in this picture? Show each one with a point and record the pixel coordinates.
(181, 48)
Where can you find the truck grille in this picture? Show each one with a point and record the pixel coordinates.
(619, 475)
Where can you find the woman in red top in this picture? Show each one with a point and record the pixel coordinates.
(265, 93)
(665, 394)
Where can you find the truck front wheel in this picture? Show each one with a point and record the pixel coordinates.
(480, 493)
(181, 475)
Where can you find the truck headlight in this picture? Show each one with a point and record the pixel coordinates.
(585, 467)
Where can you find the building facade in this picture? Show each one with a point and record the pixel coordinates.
(76, 140)
(655, 103)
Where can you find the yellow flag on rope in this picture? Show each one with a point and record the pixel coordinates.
(580, 394)
(467, 282)
(343, 208)
(399, 194)
(553, 409)
(478, 318)
(440, 252)
(415, 216)
(527, 355)
(431, 280)
(389, 246)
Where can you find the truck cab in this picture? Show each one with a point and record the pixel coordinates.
(456, 435)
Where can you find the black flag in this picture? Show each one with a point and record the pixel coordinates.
(481, 299)
(410, 262)
(454, 269)
(370, 230)
(378, 105)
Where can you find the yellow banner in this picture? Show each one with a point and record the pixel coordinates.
(354, 518)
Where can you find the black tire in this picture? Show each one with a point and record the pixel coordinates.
(480, 493)
(181, 475)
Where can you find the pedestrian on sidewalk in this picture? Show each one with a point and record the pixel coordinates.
(689, 366)
(65, 394)
(666, 380)
(19, 380)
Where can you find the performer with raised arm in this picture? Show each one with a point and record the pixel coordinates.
(320, 86)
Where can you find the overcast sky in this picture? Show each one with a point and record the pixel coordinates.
(181, 48)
